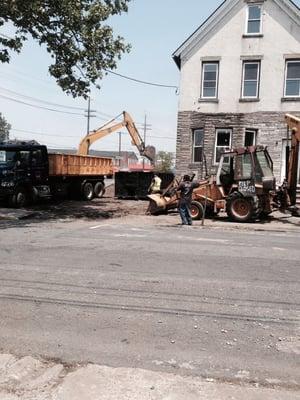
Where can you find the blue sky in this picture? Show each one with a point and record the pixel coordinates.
(155, 29)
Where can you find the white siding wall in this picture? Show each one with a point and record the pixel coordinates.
(280, 37)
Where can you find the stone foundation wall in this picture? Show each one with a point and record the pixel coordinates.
(270, 126)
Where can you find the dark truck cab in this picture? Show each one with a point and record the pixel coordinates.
(24, 173)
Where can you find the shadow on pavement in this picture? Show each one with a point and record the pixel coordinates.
(69, 210)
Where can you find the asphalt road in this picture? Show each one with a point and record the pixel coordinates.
(208, 302)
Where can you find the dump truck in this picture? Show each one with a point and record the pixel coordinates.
(244, 186)
(28, 171)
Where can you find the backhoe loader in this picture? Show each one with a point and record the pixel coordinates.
(244, 185)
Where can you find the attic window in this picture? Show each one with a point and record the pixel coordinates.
(254, 19)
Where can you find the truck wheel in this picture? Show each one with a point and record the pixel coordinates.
(196, 210)
(99, 189)
(239, 208)
(20, 198)
(87, 191)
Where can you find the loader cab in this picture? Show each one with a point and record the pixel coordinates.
(247, 169)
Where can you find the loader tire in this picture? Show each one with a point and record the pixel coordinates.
(239, 208)
(196, 210)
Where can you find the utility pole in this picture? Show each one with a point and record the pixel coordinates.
(145, 132)
(120, 145)
(89, 114)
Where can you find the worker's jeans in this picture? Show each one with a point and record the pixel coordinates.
(185, 214)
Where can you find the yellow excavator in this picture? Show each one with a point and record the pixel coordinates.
(112, 126)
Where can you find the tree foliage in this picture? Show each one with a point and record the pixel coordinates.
(164, 161)
(4, 129)
(75, 33)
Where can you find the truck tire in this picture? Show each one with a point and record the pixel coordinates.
(20, 198)
(196, 210)
(240, 208)
(99, 189)
(87, 191)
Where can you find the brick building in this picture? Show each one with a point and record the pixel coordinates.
(239, 75)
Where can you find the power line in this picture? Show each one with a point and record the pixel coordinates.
(142, 82)
(100, 115)
(43, 134)
(40, 100)
(162, 137)
(74, 136)
(40, 107)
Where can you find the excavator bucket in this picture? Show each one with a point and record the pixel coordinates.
(150, 153)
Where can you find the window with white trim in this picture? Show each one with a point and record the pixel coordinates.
(254, 19)
(251, 76)
(198, 140)
(222, 143)
(210, 77)
(250, 137)
(292, 79)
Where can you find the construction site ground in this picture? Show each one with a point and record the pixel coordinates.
(135, 212)
(100, 301)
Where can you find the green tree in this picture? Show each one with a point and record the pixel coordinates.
(164, 161)
(75, 33)
(4, 129)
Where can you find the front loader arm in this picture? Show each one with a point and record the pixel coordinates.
(294, 124)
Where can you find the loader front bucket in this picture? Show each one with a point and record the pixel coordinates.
(157, 203)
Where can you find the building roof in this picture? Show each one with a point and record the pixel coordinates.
(221, 12)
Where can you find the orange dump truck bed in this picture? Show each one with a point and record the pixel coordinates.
(73, 165)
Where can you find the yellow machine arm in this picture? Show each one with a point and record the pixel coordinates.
(294, 125)
(146, 151)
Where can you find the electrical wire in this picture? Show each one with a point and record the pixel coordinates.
(142, 82)
(40, 100)
(74, 136)
(36, 106)
(43, 133)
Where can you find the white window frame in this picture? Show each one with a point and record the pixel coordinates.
(285, 77)
(194, 146)
(204, 63)
(258, 79)
(216, 142)
(254, 131)
(260, 20)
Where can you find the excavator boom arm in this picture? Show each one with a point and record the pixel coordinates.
(127, 122)
(89, 139)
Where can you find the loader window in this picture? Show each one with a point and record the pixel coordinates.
(243, 170)
(262, 166)
(225, 175)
